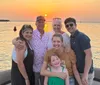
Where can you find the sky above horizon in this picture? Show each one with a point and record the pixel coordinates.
(27, 10)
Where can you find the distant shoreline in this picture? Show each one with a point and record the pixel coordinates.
(4, 20)
(79, 21)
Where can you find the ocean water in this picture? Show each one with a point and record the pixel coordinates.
(7, 34)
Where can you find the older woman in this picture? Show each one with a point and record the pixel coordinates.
(22, 59)
(68, 56)
(57, 28)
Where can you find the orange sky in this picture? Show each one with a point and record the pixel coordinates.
(84, 10)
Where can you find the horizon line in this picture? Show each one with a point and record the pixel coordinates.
(79, 21)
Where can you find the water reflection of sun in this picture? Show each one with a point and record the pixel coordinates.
(46, 27)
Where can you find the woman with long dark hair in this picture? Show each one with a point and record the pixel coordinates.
(22, 59)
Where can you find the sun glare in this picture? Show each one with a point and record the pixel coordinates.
(45, 15)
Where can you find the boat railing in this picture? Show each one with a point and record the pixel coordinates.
(5, 76)
(97, 74)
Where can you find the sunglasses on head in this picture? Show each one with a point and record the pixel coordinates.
(69, 25)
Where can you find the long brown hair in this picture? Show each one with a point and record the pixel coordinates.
(23, 29)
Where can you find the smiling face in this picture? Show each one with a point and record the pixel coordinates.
(57, 25)
(71, 27)
(27, 34)
(40, 24)
(57, 42)
(55, 61)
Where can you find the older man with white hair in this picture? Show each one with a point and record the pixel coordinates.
(57, 26)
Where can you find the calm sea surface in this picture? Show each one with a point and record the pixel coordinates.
(7, 34)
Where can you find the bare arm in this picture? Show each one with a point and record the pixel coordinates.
(45, 72)
(46, 80)
(20, 64)
(18, 43)
(76, 74)
(88, 62)
(67, 78)
(14, 41)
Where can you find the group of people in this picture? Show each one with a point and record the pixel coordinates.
(53, 58)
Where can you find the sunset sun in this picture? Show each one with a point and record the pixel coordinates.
(45, 15)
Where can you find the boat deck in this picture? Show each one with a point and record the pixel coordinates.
(5, 77)
(94, 83)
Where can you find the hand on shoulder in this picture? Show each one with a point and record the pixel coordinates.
(19, 43)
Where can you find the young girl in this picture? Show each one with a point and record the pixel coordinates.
(55, 65)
